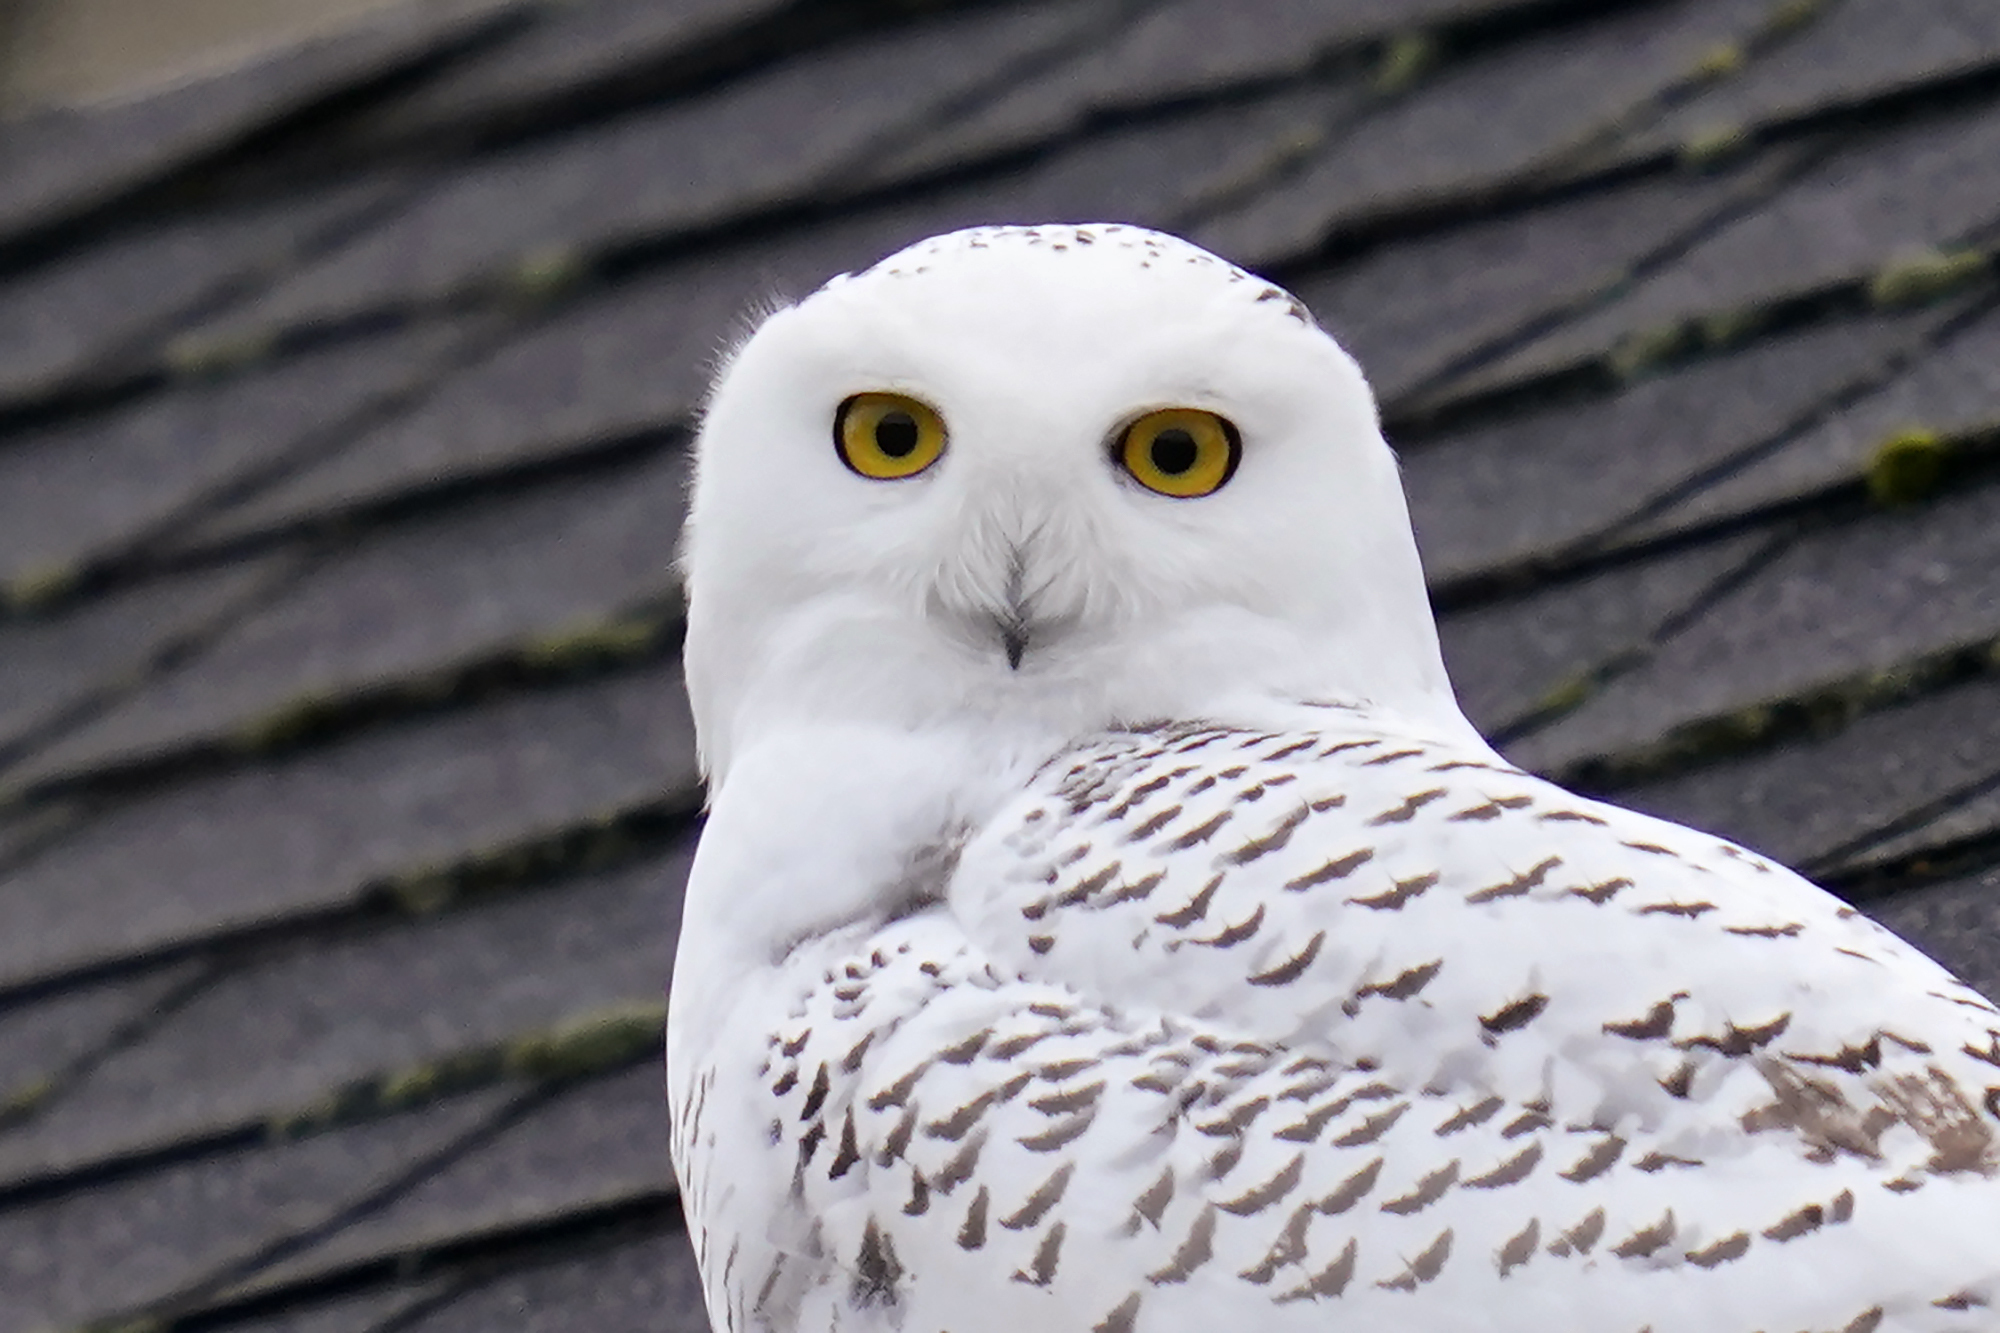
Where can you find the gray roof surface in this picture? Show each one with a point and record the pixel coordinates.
(346, 780)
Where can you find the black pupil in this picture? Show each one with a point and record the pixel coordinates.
(896, 434)
(1174, 451)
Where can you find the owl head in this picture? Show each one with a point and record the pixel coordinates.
(1045, 479)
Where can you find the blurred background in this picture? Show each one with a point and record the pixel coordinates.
(347, 357)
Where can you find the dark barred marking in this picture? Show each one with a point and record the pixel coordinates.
(1654, 1162)
(1424, 1267)
(898, 1141)
(1084, 888)
(1312, 1087)
(1042, 1268)
(1292, 968)
(1230, 936)
(797, 1044)
(1477, 1114)
(1394, 756)
(1306, 1130)
(1658, 1022)
(1329, 1281)
(920, 1196)
(960, 1168)
(1196, 1250)
(1960, 1301)
(1019, 1044)
(809, 1144)
(849, 1155)
(1273, 841)
(1793, 1225)
(1427, 1192)
(1137, 795)
(1453, 765)
(1373, 1128)
(816, 1096)
(851, 1062)
(1735, 1041)
(1866, 1322)
(1534, 1118)
(1044, 1198)
(1512, 1017)
(1199, 834)
(1238, 770)
(1510, 1172)
(1650, 848)
(1580, 1238)
(1597, 1161)
(1158, 820)
(1137, 891)
(1319, 805)
(1233, 1124)
(1061, 1103)
(1342, 747)
(1688, 910)
(876, 1271)
(1519, 885)
(1784, 932)
(1492, 809)
(786, 1082)
(1338, 868)
(1406, 984)
(1643, 1243)
(1520, 1248)
(1724, 1250)
(968, 1050)
(1407, 811)
(1569, 816)
(1152, 1205)
(1260, 1197)
(1041, 943)
(1854, 1059)
(1194, 909)
(1061, 1135)
(1351, 1191)
(1599, 894)
(1287, 751)
(1401, 892)
(1123, 1318)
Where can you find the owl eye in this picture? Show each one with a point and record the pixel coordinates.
(1180, 451)
(887, 436)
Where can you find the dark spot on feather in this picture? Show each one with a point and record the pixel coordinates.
(876, 1271)
(1392, 757)
(1230, 936)
(1123, 1317)
(1651, 848)
(1424, 1267)
(1329, 1281)
(1535, 1117)
(1570, 816)
(965, 1052)
(1599, 894)
(1292, 968)
(1152, 1205)
(1783, 932)
(1197, 1249)
(816, 1096)
(850, 1151)
(1398, 894)
(920, 1196)
(1338, 868)
(1042, 1268)
(1199, 834)
(1654, 1162)
(798, 1043)
(1688, 910)
(1257, 1199)
(1158, 820)
(898, 1141)
(960, 1168)
(1045, 1197)
(1518, 886)
(1236, 1121)
(1724, 1250)
(1406, 984)
(786, 1082)
(1061, 1135)
(1640, 1244)
(1041, 943)
(1492, 809)
(1597, 1161)
(1681, 1081)
(972, 1234)
(1373, 1128)
(1407, 811)
(1510, 1172)
(1273, 841)
(1061, 1103)
(1514, 1016)
(1658, 1022)
(1793, 1225)
(1520, 1248)
(1737, 1042)
(1428, 1191)
(1580, 1238)
(1194, 909)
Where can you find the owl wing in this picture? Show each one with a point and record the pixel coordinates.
(1323, 1026)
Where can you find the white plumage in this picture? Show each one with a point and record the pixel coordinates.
(1106, 919)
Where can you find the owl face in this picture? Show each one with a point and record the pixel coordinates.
(1093, 474)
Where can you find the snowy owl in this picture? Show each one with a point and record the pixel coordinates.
(1106, 920)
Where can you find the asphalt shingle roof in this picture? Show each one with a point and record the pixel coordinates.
(346, 781)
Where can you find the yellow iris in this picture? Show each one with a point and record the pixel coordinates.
(888, 436)
(1180, 451)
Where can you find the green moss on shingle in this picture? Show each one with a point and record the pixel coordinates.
(542, 274)
(1721, 60)
(1787, 15)
(39, 587)
(1926, 275)
(595, 1042)
(1908, 467)
(197, 356)
(1639, 352)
